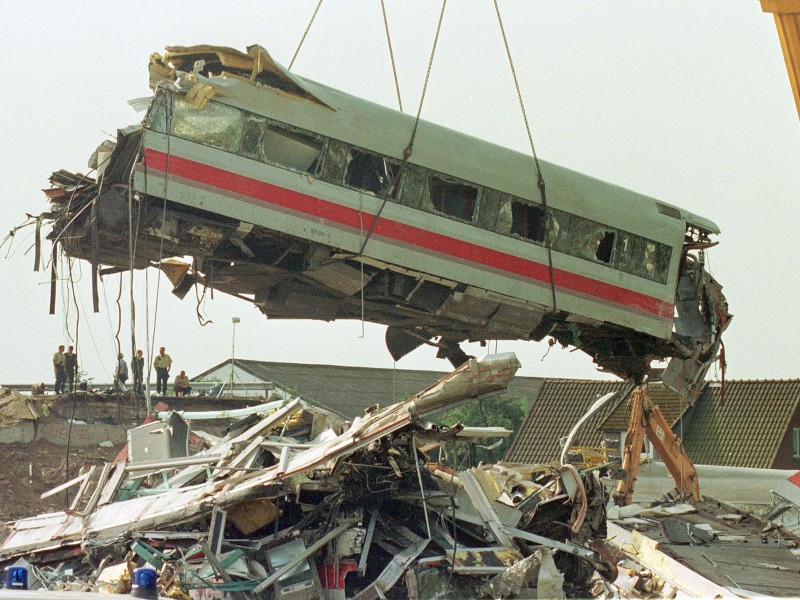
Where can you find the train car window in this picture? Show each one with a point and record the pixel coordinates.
(554, 227)
(663, 257)
(581, 237)
(369, 172)
(518, 217)
(643, 258)
(605, 246)
(251, 136)
(490, 204)
(528, 221)
(214, 125)
(504, 218)
(559, 232)
(291, 148)
(156, 118)
(333, 167)
(452, 197)
(590, 240)
(412, 186)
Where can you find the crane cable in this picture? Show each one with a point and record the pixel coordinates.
(410, 148)
(391, 56)
(539, 177)
(392, 190)
(305, 34)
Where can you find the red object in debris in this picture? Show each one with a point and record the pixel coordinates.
(795, 479)
(332, 574)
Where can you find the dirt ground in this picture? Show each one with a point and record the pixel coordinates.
(50, 466)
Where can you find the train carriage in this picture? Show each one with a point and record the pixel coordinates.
(315, 204)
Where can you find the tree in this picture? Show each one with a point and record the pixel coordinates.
(497, 411)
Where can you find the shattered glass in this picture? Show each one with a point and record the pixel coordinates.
(215, 125)
(251, 138)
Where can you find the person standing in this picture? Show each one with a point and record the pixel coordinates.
(60, 370)
(71, 364)
(162, 363)
(138, 372)
(121, 373)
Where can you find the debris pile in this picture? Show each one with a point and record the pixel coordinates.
(703, 549)
(295, 502)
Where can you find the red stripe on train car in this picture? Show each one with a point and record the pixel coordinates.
(323, 210)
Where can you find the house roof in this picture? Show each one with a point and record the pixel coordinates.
(349, 390)
(672, 406)
(746, 429)
(559, 405)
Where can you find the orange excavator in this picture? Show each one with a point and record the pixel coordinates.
(647, 422)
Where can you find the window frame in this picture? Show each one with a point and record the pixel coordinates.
(448, 181)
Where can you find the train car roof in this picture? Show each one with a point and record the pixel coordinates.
(240, 80)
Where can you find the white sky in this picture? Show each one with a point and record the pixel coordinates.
(686, 101)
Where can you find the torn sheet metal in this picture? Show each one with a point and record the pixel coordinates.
(297, 506)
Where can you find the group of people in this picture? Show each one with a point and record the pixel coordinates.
(65, 367)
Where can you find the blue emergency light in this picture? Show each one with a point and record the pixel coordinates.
(144, 583)
(15, 578)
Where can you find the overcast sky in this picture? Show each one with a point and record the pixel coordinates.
(686, 101)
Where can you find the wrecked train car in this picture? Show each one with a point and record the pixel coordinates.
(294, 502)
(315, 204)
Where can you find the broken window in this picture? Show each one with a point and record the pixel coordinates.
(644, 258)
(291, 148)
(336, 156)
(369, 172)
(491, 201)
(214, 125)
(452, 197)
(528, 221)
(413, 186)
(156, 118)
(251, 137)
(519, 217)
(585, 239)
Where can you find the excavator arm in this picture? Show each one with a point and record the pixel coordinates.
(647, 421)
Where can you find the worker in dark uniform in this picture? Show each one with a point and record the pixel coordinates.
(71, 364)
(121, 373)
(137, 364)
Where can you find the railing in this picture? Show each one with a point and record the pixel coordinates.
(205, 387)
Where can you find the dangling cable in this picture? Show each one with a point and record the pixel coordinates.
(305, 33)
(391, 56)
(539, 177)
(410, 148)
(150, 340)
(132, 253)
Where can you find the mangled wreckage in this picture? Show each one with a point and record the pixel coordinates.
(315, 204)
(295, 502)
